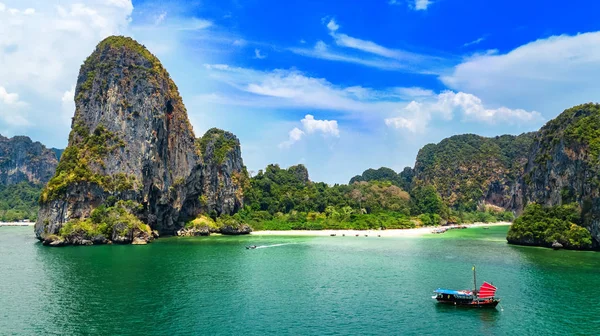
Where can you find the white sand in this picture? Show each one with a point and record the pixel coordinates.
(416, 232)
(17, 223)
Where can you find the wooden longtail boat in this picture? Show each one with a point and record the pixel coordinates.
(482, 298)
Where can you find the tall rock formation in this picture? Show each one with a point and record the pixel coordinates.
(22, 160)
(564, 164)
(469, 169)
(131, 140)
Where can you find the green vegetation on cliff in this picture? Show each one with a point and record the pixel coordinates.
(19, 201)
(402, 179)
(86, 149)
(114, 221)
(221, 144)
(543, 226)
(465, 168)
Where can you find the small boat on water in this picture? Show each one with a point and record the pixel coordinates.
(482, 298)
(251, 247)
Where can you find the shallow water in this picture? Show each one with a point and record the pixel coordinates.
(293, 285)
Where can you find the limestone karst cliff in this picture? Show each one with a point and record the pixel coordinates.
(469, 169)
(22, 160)
(132, 143)
(563, 166)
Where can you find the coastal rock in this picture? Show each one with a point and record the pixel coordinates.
(139, 241)
(556, 245)
(54, 240)
(240, 229)
(194, 232)
(99, 240)
(131, 140)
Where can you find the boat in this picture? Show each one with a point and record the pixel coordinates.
(251, 247)
(482, 298)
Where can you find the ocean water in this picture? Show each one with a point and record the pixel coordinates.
(294, 286)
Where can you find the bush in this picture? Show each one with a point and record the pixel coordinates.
(542, 226)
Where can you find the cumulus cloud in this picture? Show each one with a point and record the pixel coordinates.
(311, 125)
(547, 75)
(416, 115)
(294, 136)
(411, 108)
(326, 127)
(45, 65)
(332, 25)
(11, 108)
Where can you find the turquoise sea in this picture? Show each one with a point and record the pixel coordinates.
(293, 286)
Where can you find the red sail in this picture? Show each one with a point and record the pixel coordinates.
(487, 290)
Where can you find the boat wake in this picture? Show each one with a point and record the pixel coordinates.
(274, 245)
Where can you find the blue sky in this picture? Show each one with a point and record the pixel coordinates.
(340, 86)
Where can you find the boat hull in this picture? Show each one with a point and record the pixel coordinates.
(492, 303)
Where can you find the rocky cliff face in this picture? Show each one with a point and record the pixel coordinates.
(564, 164)
(22, 160)
(467, 170)
(131, 140)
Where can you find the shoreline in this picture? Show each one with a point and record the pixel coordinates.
(415, 232)
(17, 223)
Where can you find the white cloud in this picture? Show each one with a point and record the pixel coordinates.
(160, 18)
(11, 109)
(413, 4)
(547, 75)
(410, 108)
(49, 62)
(370, 54)
(414, 92)
(321, 51)
(294, 136)
(477, 41)
(422, 4)
(311, 125)
(327, 127)
(8, 98)
(332, 25)
(417, 115)
(240, 43)
(68, 104)
(258, 55)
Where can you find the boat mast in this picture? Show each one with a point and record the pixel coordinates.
(474, 281)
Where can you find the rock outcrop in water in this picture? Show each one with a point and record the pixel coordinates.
(22, 160)
(564, 165)
(131, 141)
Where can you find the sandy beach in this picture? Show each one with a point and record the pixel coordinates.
(416, 232)
(17, 223)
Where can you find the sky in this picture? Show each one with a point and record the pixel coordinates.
(339, 86)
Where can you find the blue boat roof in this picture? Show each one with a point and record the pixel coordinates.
(447, 291)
